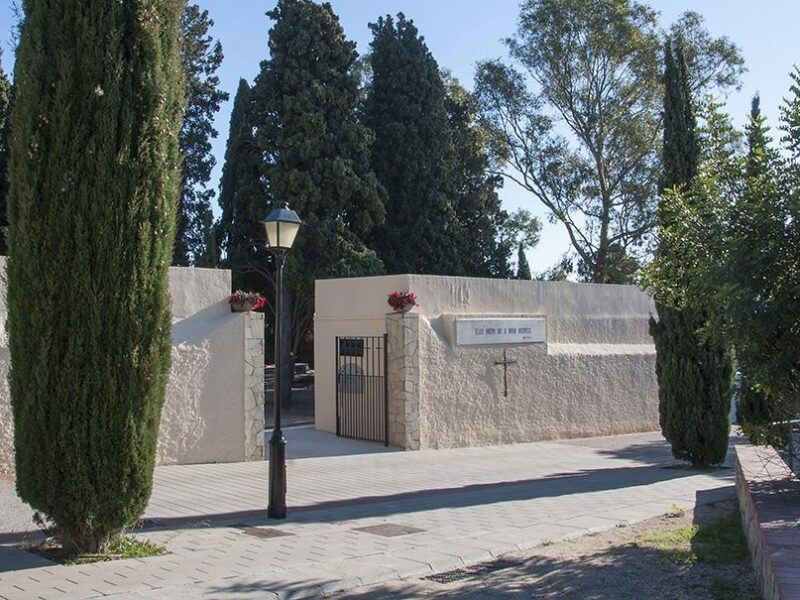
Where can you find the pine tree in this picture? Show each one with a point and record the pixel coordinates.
(5, 107)
(201, 57)
(523, 268)
(94, 182)
(693, 366)
(243, 198)
(317, 154)
(413, 154)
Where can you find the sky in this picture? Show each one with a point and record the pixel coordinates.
(461, 33)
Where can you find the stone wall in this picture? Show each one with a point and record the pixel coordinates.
(214, 405)
(769, 502)
(402, 372)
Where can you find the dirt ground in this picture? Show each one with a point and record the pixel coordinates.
(619, 564)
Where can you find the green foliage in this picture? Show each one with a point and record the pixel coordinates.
(243, 198)
(693, 363)
(681, 153)
(737, 228)
(94, 181)
(486, 234)
(316, 152)
(712, 63)
(5, 130)
(413, 154)
(120, 547)
(523, 268)
(695, 380)
(200, 57)
(598, 181)
(720, 542)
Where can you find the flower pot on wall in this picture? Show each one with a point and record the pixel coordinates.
(242, 306)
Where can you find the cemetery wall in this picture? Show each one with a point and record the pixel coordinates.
(213, 410)
(592, 373)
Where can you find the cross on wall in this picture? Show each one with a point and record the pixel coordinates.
(505, 363)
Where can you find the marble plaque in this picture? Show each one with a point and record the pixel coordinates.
(472, 331)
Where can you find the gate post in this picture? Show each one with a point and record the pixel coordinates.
(402, 379)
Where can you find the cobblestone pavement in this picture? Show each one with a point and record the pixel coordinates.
(360, 519)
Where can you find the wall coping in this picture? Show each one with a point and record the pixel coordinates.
(769, 500)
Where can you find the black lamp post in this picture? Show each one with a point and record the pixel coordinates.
(282, 225)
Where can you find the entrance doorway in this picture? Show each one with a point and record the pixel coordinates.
(361, 398)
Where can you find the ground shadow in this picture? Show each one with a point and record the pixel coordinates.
(561, 484)
(14, 559)
(626, 570)
(659, 451)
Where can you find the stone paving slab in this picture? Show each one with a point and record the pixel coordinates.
(472, 505)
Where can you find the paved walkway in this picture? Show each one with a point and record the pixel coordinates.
(360, 515)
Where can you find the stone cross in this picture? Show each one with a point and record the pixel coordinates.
(505, 362)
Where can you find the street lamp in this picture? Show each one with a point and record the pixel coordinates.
(282, 225)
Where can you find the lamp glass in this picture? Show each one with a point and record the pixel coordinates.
(281, 234)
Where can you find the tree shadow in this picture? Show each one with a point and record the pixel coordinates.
(660, 452)
(626, 572)
(15, 559)
(557, 485)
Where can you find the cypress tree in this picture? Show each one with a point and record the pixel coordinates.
(523, 268)
(94, 180)
(243, 198)
(317, 153)
(693, 368)
(413, 154)
(5, 129)
(201, 57)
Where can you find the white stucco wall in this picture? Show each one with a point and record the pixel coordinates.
(594, 375)
(213, 409)
(344, 307)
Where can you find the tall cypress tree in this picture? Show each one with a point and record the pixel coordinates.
(413, 154)
(693, 368)
(201, 57)
(523, 268)
(94, 182)
(243, 198)
(316, 152)
(5, 129)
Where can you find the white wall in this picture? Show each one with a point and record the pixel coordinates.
(213, 410)
(594, 375)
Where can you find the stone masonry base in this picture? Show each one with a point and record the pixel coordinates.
(769, 500)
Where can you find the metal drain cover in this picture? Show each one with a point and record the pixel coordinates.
(266, 532)
(475, 570)
(389, 530)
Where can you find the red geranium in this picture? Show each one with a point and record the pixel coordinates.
(244, 301)
(402, 300)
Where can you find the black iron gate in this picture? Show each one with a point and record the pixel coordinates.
(361, 398)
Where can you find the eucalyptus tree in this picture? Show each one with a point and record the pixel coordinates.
(574, 118)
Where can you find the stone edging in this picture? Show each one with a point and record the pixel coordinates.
(769, 500)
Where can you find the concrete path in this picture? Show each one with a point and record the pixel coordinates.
(360, 519)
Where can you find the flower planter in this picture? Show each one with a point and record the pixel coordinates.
(402, 301)
(242, 306)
